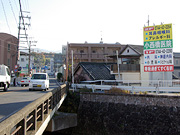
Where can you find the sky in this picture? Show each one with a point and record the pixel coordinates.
(56, 22)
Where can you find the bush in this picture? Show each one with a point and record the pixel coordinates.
(115, 90)
(59, 76)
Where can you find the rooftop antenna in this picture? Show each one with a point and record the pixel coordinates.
(101, 38)
(148, 20)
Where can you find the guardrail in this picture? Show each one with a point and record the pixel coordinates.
(34, 118)
(132, 87)
(144, 83)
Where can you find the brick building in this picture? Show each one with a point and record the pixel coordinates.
(8, 50)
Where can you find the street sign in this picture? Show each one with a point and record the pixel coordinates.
(15, 70)
(158, 48)
(16, 66)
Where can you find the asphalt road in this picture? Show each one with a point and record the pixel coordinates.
(18, 97)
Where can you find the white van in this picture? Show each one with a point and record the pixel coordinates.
(39, 81)
(5, 77)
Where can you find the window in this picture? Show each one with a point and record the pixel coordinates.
(177, 62)
(39, 76)
(9, 47)
(93, 51)
(8, 72)
(22, 59)
(81, 51)
(127, 50)
(8, 62)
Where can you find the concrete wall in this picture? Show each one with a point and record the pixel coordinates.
(103, 114)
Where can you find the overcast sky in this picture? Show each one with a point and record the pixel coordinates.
(56, 22)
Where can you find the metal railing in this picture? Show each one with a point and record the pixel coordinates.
(34, 118)
(157, 86)
(125, 68)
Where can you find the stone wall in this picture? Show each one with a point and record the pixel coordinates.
(110, 114)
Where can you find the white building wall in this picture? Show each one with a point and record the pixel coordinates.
(24, 61)
(52, 65)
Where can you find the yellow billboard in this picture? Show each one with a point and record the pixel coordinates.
(158, 32)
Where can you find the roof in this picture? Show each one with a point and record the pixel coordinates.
(176, 55)
(5, 36)
(97, 71)
(137, 48)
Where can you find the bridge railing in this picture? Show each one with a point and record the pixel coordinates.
(34, 118)
(157, 86)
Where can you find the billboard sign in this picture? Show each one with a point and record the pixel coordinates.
(158, 48)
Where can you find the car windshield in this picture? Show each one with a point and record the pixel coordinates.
(39, 76)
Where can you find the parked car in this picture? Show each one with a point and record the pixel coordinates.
(5, 77)
(25, 81)
(39, 81)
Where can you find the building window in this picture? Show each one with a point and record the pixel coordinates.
(93, 51)
(22, 59)
(177, 62)
(127, 50)
(9, 62)
(81, 51)
(9, 47)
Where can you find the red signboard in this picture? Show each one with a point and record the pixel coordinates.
(149, 51)
(149, 29)
(159, 68)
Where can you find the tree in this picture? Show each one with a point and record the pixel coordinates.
(59, 76)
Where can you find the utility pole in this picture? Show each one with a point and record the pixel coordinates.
(29, 62)
(72, 70)
(118, 65)
(22, 32)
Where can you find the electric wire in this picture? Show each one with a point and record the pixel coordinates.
(16, 5)
(28, 4)
(5, 16)
(13, 12)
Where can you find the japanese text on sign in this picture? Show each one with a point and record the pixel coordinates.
(158, 48)
(161, 68)
(159, 32)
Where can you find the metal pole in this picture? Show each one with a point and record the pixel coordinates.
(72, 70)
(118, 65)
(29, 58)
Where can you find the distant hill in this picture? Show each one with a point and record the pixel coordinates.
(44, 50)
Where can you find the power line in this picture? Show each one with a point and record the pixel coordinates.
(16, 5)
(28, 4)
(13, 12)
(5, 16)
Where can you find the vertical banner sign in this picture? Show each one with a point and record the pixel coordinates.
(158, 48)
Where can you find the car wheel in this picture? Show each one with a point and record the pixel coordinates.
(5, 87)
(21, 85)
(30, 89)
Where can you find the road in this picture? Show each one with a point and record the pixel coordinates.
(18, 97)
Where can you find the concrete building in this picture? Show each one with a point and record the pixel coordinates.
(59, 61)
(176, 65)
(8, 50)
(64, 49)
(131, 67)
(24, 61)
(89, 52)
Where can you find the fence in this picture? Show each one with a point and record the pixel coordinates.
(34, 118)
(134, 85)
